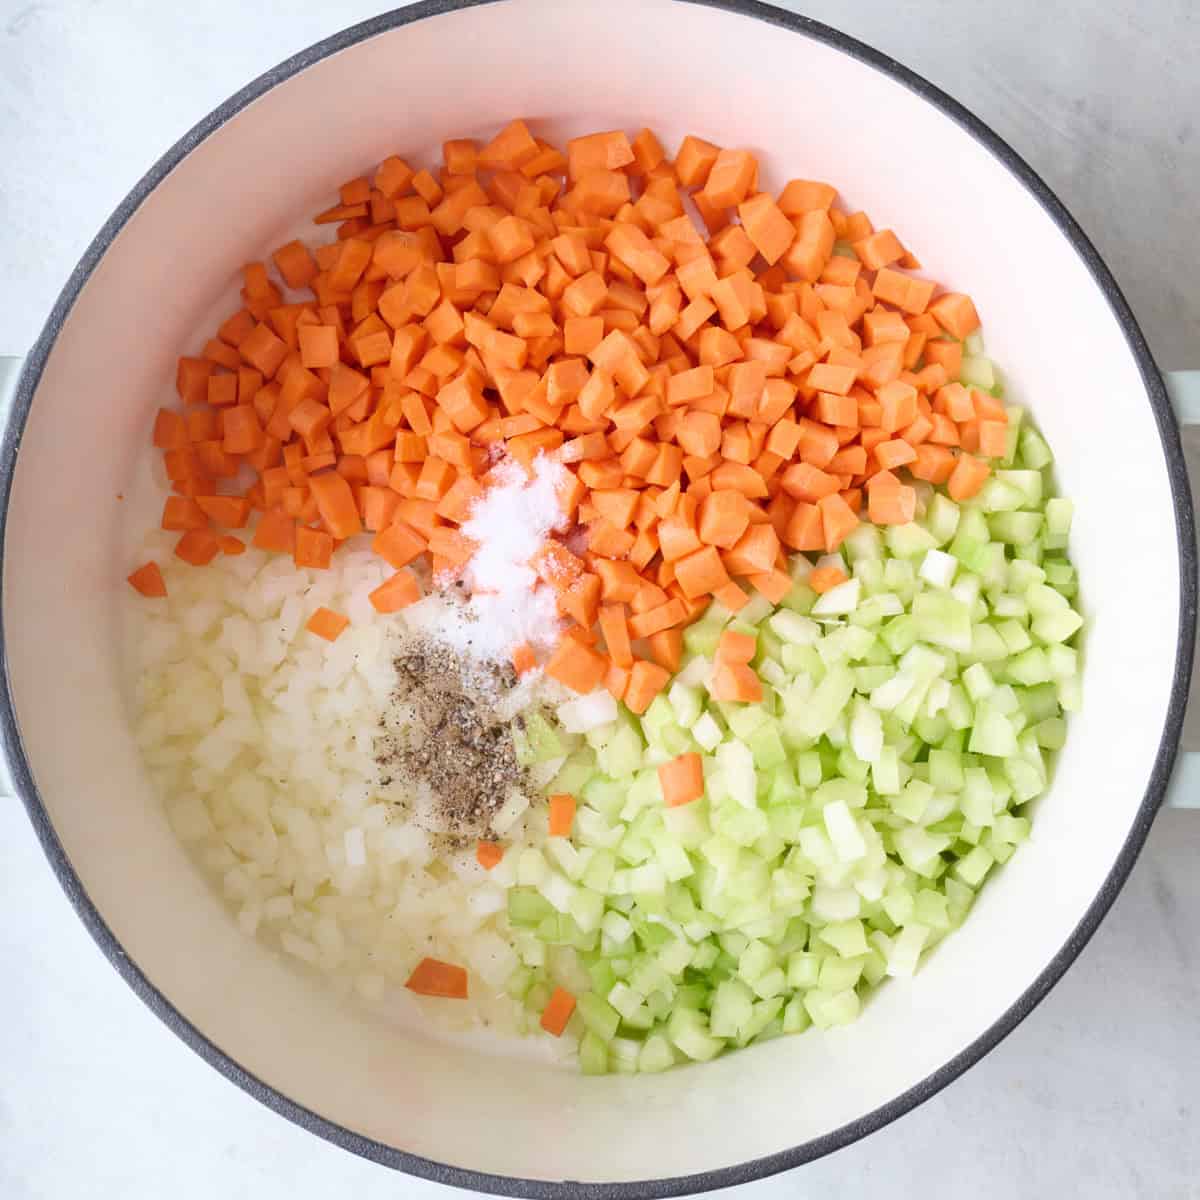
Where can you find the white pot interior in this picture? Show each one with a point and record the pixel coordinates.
(809, 110)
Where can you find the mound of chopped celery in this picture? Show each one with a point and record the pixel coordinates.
(848, 819)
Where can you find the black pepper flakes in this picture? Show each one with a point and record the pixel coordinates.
(445, 740)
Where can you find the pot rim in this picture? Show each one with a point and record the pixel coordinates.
(815, 1148)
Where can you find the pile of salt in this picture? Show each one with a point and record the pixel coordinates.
(506, 604)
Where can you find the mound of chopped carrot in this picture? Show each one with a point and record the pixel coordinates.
(720, 392)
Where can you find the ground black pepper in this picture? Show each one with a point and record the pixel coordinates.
(444, 742)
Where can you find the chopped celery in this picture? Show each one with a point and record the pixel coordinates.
(598, 1015)
(846, 821)
(593, 1054)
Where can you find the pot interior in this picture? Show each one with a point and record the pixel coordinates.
(807, 109)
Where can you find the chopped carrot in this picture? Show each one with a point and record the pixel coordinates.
(232, 512)
(737, 682)
(823, 579)
(451, 545)
(720, 391)
(148, 580)
(682, 780)
(615, 629)
(955, 313)
(646, 680)
(431, 977)
(488, 854)
(557, 1012)
(666, 646)
(327, 624)
(399, 544)
(562, 814)
(934, 464)
(198, 547)
(180, 513)
(993, 439)
(275, 532)
(396, 593)
(773, 585)
(701, 572)
(656, 619)
(735, 647)
(837, 520)
(335, 502)
(967, 477)
(578, 667)
(723, 518)
(523, 659)
(314, 548)
(731, 596)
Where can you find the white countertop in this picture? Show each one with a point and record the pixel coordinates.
(1097, 1094)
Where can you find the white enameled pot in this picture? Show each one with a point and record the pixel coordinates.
(811, 103)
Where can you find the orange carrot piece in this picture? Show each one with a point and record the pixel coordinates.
(191, 380)
(934, 464)
(181, 513)
(335, 502)
(803, 481)
(578, 667)
(327, 624)
(170, 430)
(395, 593)
(523, 659)
(731, 596)
(616, 682)
(275, 532)
(967, 477)
(453, 547)
(646, 680)
(314, 548)
(993, 439)
(737, 682)
(822, 579)
(562, 814)
(956, 314)
(754, 552)
(682, 780)
(723, 518)
(148, 581)
(295, 264)
(837, 520)
(615, 630)
(318, 345)
(889, 502)
(773, 585)
(654, 620)
(263, 350)
(431, 977)
(555, 564)
(231, 512)
(894, 453)
(488, 855)
(735, 647)
(557, 1012)
(666, 646)
(701, 572)
(198, 547)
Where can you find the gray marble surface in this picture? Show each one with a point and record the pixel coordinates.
(1097, 1094)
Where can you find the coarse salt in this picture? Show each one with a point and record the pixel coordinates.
(506, 604)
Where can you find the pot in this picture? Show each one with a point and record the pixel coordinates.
(811, 102)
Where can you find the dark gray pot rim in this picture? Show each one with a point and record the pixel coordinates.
(851, 1132)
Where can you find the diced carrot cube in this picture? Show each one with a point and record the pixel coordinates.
(576, 666)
